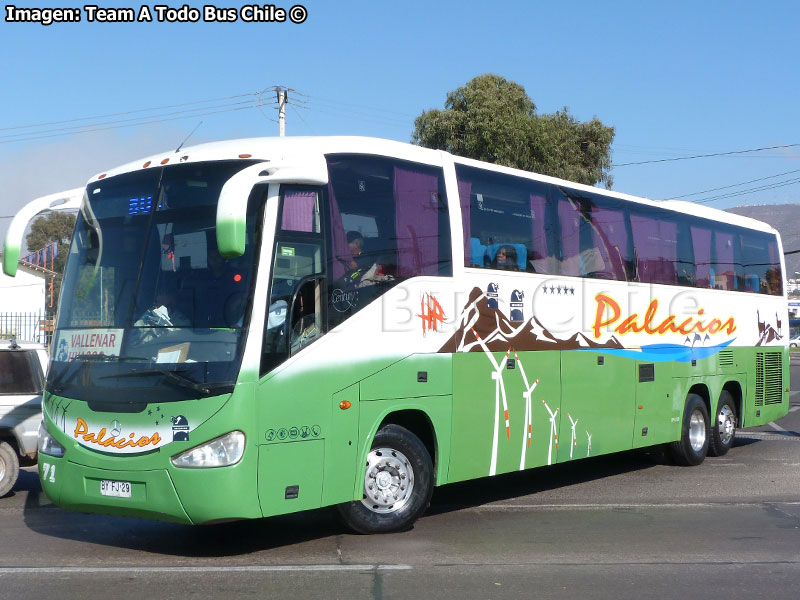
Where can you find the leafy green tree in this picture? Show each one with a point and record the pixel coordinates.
(494, 120)
(52, 227)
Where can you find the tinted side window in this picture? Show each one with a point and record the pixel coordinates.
(20, 372)
(655, 246)
(508, 221)
(760, 264)
(593, 235)
(387, 221)
(724, 246)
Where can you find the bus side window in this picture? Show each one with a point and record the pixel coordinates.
(387, 221)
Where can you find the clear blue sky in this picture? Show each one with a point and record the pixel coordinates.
(674, 79)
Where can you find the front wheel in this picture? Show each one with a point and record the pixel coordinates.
(398, 484)
(721, 438)
(9, 468)
(692, 448)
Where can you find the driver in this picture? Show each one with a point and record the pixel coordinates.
(363, 269)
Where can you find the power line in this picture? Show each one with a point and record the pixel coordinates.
(724, 187)
(38, 137)
(79, 128)
(749, 191)
(662, 160)
(130, 112)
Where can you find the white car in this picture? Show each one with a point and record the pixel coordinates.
(22, 371)
(794, 342)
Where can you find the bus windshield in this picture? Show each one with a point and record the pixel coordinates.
(147, 299)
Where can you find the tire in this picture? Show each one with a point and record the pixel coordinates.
(399, 471)
(692, 448)
(722, 434)
(9, 468)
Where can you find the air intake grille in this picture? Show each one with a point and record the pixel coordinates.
(726, 358)
(769, 378)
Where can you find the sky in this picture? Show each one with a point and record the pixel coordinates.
(675, 79)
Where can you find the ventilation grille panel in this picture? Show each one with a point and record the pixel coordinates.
(769, 378)
(726, 358)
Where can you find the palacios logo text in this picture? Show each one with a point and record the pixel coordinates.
(647, 324)
(99, 438)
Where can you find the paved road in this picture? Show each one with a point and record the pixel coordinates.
(627, 526)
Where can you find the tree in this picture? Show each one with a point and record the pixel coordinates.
(53, 227)
(494, 120)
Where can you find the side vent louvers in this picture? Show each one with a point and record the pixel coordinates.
(769, 378)
(726, 358)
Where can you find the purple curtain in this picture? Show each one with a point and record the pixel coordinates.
(417, 221)
(464, 191)
(701, 241)
(298, 211)
(569, 220)
(611, 238)
(656, 249)
(538, 230)
(342, 257)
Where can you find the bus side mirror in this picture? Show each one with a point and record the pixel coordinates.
(69, 200)
(232, 208)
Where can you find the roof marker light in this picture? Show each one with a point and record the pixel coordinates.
(165, 161)
(245, 156)
(102, 176)
(145, 165)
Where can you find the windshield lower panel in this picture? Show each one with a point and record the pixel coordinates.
(150, 311)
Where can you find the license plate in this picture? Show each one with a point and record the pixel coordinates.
(118, 489)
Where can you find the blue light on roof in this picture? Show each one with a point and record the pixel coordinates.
(140, 206)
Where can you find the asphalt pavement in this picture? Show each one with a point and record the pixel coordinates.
(624, 526)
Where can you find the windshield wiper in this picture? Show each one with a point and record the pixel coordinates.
(68, 374)
(110, 358)
(176, 378)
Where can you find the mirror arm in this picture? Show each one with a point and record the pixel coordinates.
(232, 208)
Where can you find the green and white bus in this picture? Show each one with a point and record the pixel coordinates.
(262, 326)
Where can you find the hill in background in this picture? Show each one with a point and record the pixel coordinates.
(786, 219)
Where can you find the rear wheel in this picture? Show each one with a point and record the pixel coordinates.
(692, 448)
(722, 434)
(398, 484)
(9, 468)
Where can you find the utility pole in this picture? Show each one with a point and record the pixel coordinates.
(283, 99)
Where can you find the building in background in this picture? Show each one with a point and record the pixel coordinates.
(24, 302)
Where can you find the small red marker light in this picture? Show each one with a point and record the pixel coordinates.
(145, 165)
(165, 161)
(237, 278)
(245, 155)
(345, 404)
(101, 176)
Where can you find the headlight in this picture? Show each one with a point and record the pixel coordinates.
(220, 452)
(48, 444)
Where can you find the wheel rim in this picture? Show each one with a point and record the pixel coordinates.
(2, 468)
(388, 481)
(725, 424)
(697, 431)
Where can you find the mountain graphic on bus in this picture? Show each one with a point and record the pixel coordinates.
(499, 332)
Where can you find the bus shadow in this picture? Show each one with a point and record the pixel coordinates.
(253, 536)
(219, 540)
(477, 492)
